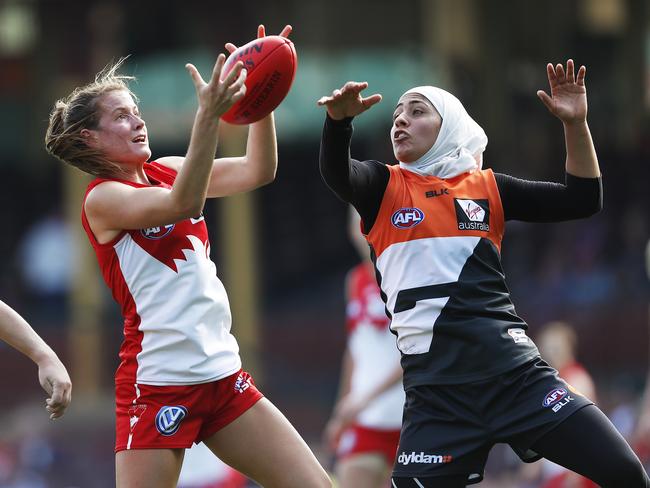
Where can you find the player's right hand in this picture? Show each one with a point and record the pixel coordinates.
(217, 96)
(56, 382)
(347, 101)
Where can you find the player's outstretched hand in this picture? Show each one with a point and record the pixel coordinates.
(261, 32)
(568, 99)
(56, 382)
(217, 96)
(347, 100)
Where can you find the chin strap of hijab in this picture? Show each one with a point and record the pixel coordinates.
(460, 143)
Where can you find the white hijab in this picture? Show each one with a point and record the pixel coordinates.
(460, 143)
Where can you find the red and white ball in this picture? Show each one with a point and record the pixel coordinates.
(271, 64)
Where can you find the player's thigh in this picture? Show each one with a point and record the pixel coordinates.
(148, 468)
(263, 445)
(365, 470)
(589, 444)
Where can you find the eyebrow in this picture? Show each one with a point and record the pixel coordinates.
(410, 102)
(124, 108)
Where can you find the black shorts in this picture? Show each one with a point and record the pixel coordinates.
(450, 429)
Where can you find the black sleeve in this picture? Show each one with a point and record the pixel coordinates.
(360, 183)
(542, 201)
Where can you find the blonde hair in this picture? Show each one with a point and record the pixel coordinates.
(79, 111)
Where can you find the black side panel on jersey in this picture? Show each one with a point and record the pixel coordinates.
(470, 339)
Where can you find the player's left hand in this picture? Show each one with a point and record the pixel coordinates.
(55, 380)
(568, 99)
(261, 32)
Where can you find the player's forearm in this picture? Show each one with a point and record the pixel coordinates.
(391, 380)
(262, 150)
(16, 332)
(191, 185)
(581, 157)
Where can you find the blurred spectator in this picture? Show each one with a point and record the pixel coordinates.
(47, 264)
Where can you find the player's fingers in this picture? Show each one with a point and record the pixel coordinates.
(237, 84)
(371, 100)
(56, 398)
(355, 86)
(324, 100)
(546, 100)
(68, 396)
(559, 71)
(239, 94)
(570, 76)
(230, 47)
(580, 80)
(550, 72)
(218, 67)
(261, 31)
(196, 76)
(286, 31)
(234, 74)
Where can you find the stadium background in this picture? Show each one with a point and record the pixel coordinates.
(282, 251)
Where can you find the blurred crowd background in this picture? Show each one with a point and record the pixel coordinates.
(283, 251)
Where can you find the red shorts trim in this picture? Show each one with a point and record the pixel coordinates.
(167, 417)
(358, 440)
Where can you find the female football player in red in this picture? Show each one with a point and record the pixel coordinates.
(180, 379)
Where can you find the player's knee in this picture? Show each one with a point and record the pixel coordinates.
(628, 472)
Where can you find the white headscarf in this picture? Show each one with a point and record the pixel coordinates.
(460, 143)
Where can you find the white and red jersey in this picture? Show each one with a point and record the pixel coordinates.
(176, 312)
(373, 351)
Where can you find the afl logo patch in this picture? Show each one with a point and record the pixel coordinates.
(168, 419)
(407, 217)
(554, 396)
(157, 232)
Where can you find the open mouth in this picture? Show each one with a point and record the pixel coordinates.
(399, 135)
(139, 139)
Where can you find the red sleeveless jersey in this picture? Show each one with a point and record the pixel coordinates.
(176, 312)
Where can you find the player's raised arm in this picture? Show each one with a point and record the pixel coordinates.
(568, 102)
(347, 101)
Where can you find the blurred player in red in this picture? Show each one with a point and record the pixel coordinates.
(52, 375)
(557, 344)
(201, 469)
(365, 424)
(180, 380)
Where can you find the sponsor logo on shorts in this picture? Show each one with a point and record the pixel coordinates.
(518, 335)
(135, 412)
(243, 382)
(407, 217)
(422, 458)
(168, 419)
(157, 232)
(472, 214)
(556, 399)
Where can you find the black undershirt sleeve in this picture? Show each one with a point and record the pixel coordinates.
(363, 183)
(360, 183)
(542, 201)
